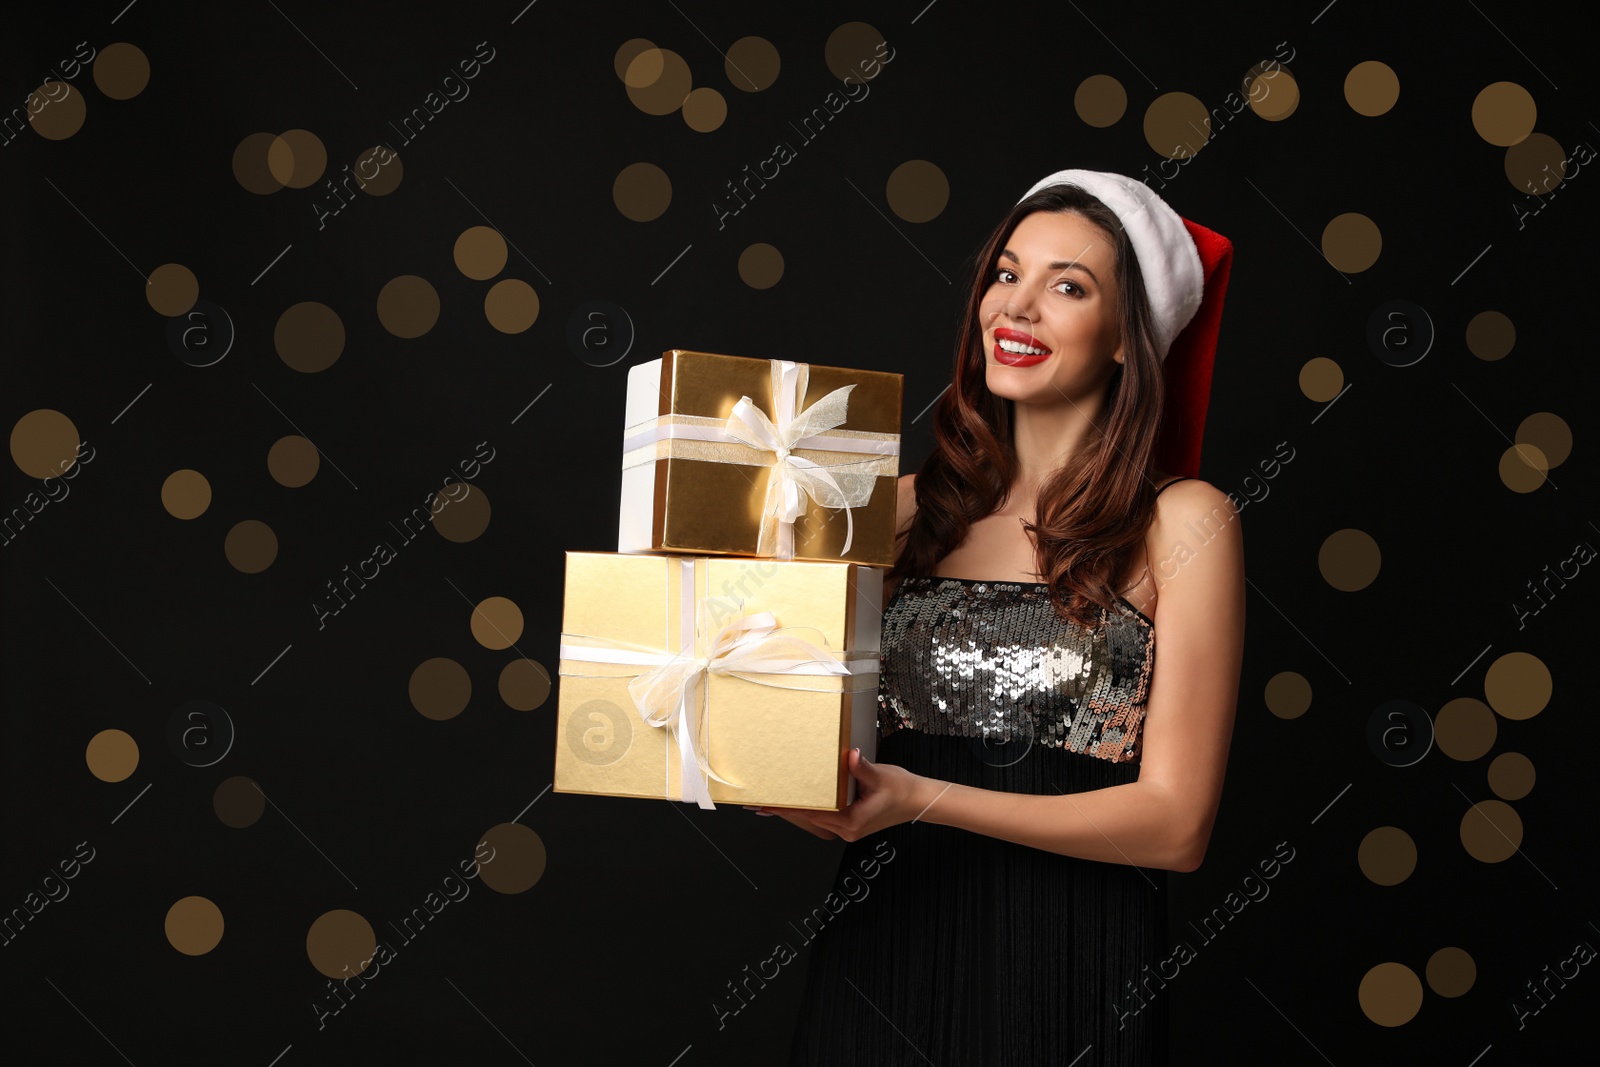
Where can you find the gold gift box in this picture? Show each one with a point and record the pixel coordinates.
(688, 489)
(783, 744)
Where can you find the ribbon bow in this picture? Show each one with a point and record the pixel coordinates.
(791, 478)
(669, 696)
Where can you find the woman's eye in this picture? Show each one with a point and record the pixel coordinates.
(1076, 289)
(1000, 271)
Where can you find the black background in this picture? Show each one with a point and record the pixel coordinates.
(616, 955)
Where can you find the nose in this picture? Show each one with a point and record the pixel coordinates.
(1020, 304)
(1019, 308)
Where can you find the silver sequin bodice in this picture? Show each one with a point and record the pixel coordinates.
(993, 660)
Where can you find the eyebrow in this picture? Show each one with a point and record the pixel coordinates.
(1057, 265)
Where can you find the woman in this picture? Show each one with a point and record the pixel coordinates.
(1039, 767)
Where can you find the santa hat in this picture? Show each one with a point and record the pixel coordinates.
(1185, 268)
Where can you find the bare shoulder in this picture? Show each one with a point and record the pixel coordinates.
(1196, 529)
(1191, 500)
(905, 502)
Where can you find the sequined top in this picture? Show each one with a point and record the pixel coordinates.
(993, 660)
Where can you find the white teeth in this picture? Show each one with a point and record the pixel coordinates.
(1019, 348)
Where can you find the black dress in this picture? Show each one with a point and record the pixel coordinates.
(959, 949)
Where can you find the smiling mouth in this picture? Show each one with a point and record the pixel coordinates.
(1013, 348)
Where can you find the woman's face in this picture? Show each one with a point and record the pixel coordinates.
(1052, 300)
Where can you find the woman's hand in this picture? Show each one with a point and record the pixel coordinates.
(886, 795)
(798, 817)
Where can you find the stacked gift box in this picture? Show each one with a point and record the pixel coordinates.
(728, 650)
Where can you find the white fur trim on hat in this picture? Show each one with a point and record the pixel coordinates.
(1168, 259)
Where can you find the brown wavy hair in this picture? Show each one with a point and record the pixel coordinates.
(1092, 510)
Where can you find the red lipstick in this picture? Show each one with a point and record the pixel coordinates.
(1018, 359)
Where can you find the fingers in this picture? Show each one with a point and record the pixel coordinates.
(863, 770)
(807, 825)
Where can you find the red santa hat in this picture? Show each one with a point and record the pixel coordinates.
(1185, 268)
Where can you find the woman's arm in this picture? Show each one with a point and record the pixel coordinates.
(1165, 818)
(1194, 688)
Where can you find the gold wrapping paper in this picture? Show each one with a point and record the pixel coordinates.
(708, 495)
(784, 743)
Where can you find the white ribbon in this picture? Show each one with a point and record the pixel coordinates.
(666, 694)
(792, 478)
(699, 428)
(672, 693)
